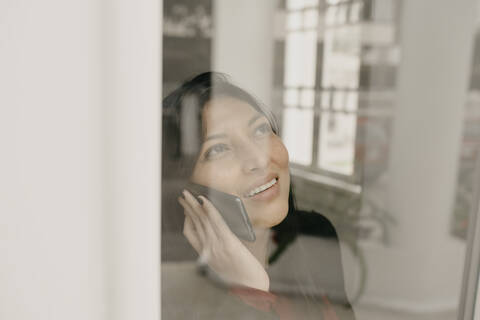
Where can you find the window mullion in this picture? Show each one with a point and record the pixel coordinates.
(316, 132)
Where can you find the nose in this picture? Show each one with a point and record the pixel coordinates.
(255, 157)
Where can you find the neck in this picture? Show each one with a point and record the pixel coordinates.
(259, 248)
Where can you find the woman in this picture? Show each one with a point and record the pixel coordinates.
(237, 152)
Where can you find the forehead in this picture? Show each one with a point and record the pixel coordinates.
(223, 113)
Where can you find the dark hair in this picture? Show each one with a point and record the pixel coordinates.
(191, 97)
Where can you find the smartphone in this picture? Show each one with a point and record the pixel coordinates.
(230, 207)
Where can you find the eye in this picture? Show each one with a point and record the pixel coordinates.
(263, 129)
(216, 151)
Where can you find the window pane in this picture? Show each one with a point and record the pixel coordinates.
(298, 134)
(330, 15)
(333, 2)
(325, 99)
(310, 3)
(299, 4)
(307, 98)
(310, 18)
(294, 20)
(293, 59)
(290, 97)
(339, 100)
(295, 4)
(401, 201)
(309, 58)
(300, 59)
(356, 11)
(351, 103)
(341, 58)
(342, 14)
(337, 142)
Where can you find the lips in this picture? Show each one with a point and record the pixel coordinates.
(261, 186)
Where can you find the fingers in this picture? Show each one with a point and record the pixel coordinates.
(204, 226)
(190, 233)
(202, 214)
(197, 225)
(192, 201)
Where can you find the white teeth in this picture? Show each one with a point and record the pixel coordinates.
(262, 188)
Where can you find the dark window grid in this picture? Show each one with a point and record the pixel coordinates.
(331, 92)
(300, 89)
(340, 3)
(318, 93)
(320, 9)
(302, 28)
(353, 178)
(365, 14)
(301, 9)
(318, 111)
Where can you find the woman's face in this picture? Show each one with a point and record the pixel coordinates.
(241, 155)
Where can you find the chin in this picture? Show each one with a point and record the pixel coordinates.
(271, 218)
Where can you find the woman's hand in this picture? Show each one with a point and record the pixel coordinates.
(210, 236)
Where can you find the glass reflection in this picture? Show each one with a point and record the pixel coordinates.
(374, 134)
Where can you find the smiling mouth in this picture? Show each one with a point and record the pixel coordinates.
(261, 188)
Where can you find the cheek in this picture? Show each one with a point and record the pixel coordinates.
(218, 176)
(279, 153)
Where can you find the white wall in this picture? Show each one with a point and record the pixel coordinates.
(243, 43)
(79, 141)
(422, 269)
(133, 128)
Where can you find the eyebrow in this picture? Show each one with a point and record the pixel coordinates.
(222, 135)
(215, 136)
(255, 118)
